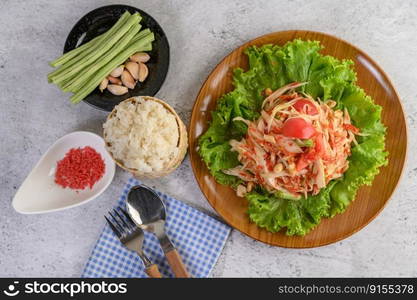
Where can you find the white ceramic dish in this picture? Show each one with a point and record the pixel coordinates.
(40, 194)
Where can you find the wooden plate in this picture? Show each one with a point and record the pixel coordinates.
(369, 200)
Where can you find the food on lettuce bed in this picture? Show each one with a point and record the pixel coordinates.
(273, 66)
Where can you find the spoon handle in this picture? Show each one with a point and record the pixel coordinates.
(177, 266)
(153, 271)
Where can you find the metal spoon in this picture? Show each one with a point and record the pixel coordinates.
(148, 212)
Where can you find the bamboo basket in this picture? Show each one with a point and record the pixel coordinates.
(182, 143)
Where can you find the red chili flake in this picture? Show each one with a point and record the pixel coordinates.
(80, 168)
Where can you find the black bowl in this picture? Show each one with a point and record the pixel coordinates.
(102, 19)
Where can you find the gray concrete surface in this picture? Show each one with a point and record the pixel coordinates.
(34, 114)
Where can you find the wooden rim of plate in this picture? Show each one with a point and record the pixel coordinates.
(369, 201)
(182, 141)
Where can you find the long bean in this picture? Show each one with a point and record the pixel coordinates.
(76, 51)
(75, 84)
(106, 45)
(68, 59)
(90, 50)
(96, 59)
(113, 30)
(138, 36)
(147, 47)
(70, 85)
(95, 80)
(71, 54)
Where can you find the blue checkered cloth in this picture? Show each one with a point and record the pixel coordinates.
(198, 238)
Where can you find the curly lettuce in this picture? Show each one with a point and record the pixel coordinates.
(272, 66)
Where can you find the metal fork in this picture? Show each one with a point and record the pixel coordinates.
(131, 237)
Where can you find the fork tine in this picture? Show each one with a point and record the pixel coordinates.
(129, 219)
(113, 227)
(123, 219)
(117, 224)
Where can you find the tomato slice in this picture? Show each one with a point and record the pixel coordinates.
(313, 153)
(319, 146)
(298, 128)
(305, 105)
(302, 163)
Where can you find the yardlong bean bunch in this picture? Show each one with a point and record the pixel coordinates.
(81, 70)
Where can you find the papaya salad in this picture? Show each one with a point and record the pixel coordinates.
(297, 146)
(296, 137)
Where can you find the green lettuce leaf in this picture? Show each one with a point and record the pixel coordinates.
(297, 216)
(272, 66)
